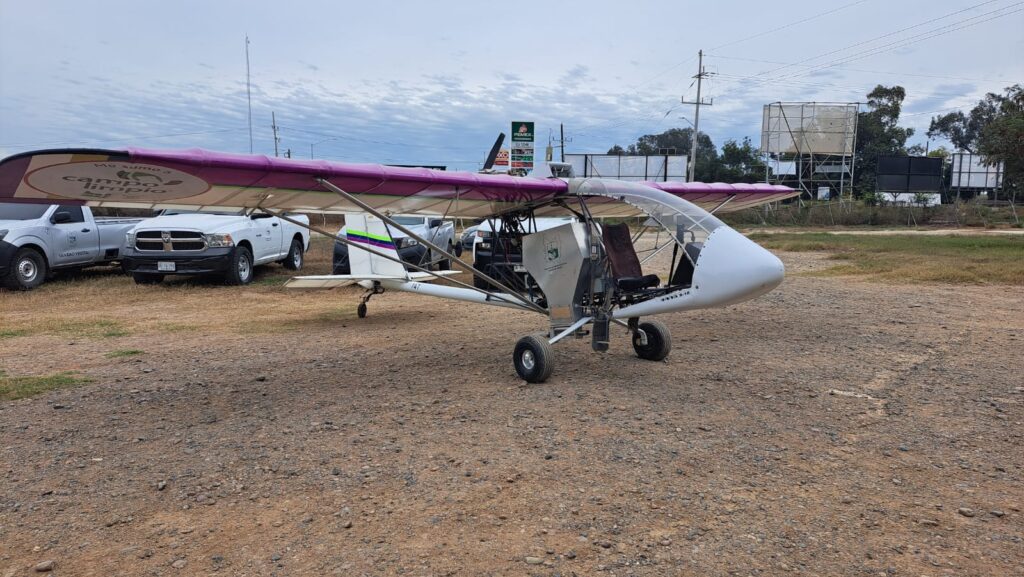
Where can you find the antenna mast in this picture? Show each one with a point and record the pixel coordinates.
(248, 90)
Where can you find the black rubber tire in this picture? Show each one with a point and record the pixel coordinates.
(295, 258)
(26, 259)
(659, 341)
(481, 284)
(446, 263)
(533, 358)
(235, 276)
(145, 278)
(361, 310)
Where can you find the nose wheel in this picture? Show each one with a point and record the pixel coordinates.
(533, 358)
(652, 341)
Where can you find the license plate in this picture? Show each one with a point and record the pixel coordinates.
(519, 268)
(165, 266)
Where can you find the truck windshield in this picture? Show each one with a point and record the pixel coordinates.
(12, 211)
(408, 220)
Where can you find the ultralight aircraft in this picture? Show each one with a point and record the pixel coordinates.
(584, 276)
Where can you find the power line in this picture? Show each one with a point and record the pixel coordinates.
(861, 70)
(876, 38)
(942, 30)
(790, 25)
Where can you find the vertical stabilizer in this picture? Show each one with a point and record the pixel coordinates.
(363, 229)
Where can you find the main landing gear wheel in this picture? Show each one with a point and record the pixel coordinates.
(533, 358)
(659, 341)
(361, 310)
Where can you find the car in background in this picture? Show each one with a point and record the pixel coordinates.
(37, 239)
(467, 239)
(229, 245)
(437, 230)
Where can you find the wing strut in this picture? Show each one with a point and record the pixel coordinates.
(346, 242)
(391, 222)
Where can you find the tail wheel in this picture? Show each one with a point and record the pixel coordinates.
(533, 358)
(658, 341)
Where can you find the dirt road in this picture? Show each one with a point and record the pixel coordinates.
(832, 427)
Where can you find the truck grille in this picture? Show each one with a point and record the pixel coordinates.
(169, 240)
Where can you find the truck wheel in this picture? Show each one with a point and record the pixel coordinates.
(294, 259)
(446, 263)
(240, 271)
(659, 341)
(143, 278)
(28, 270)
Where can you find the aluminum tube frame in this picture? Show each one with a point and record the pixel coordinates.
(572, 328)
(388, 220)
(350, 244)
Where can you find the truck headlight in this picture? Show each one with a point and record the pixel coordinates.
(129, 239)
(406, 242)
(3, 233)
(219, 240)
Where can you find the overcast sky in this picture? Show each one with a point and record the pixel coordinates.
(434, 82)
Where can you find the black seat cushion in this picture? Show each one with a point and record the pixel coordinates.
(635, 283)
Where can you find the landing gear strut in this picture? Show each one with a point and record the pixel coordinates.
(376, 290)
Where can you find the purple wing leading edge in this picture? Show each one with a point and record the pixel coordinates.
(194, 178)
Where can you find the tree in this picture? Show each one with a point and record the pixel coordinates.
(879, 133)
(1002, 139)
(680, 140)
(739, 162)
(964, 131)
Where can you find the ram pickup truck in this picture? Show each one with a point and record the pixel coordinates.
(437, 230)
(228, 245)
(36, 239)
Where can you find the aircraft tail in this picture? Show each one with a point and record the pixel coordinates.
(364, 229)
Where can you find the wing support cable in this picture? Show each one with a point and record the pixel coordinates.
(346, 242)
(391, 222)
(721, 204)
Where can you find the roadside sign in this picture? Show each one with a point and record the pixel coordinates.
(502, 158)
(522, 131)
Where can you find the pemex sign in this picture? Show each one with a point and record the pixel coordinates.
(521, 153)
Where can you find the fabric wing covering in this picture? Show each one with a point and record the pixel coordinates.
(200, 179)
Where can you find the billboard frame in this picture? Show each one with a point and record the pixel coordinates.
(817, 165)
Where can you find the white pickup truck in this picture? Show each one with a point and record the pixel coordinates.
(36, 239)
(229, 245)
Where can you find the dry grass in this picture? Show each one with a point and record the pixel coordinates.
(960, 259)
(101, 303)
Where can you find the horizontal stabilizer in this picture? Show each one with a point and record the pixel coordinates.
(343, 280)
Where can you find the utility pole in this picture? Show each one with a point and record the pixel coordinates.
(701, 74)
(273, 124)
(561, 141)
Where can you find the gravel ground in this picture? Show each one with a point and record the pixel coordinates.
(832, 427)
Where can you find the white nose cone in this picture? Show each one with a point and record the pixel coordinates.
(732, 268)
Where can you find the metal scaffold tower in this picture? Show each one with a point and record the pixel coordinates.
(810, 146)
